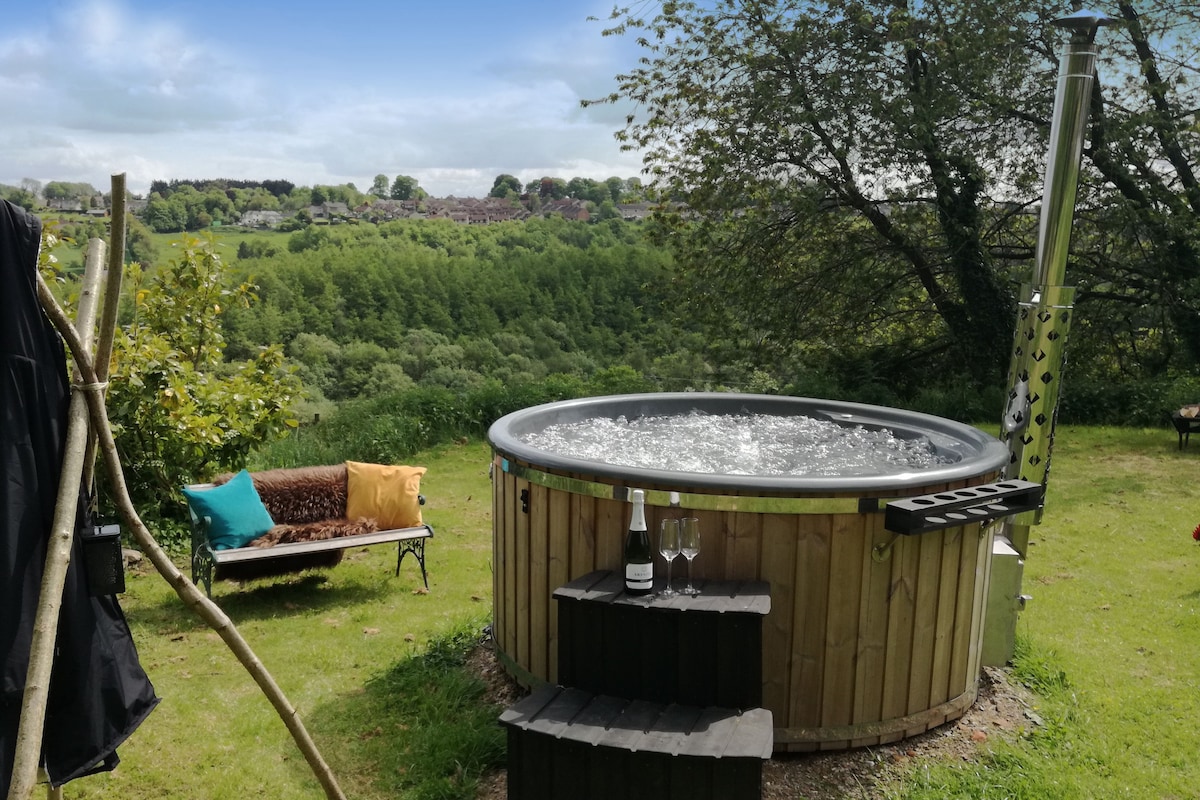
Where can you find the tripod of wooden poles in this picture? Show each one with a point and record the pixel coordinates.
(89, 431)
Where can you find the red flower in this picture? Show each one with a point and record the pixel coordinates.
(1196, 533)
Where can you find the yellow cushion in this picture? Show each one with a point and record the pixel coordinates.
(385, 493)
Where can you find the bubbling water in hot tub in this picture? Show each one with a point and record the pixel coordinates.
(738, 444)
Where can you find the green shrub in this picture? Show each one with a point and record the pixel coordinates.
(179, 411)
(1143, 403)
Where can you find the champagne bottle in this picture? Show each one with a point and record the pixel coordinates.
(639, 561)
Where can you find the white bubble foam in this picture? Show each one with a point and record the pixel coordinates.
(725, 444)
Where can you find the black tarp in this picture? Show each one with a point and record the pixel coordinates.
(98, 691)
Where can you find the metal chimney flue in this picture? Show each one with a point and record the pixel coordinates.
(1043, 321)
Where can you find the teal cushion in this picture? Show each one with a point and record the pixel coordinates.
(237, 513)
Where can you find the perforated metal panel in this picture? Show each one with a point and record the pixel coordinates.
(1035, 377)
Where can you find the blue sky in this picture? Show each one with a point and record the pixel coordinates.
(452, 92)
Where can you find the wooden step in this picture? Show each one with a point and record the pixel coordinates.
(569, 744)
(703, 650)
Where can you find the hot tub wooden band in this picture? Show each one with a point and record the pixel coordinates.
(694, 501)
(885, 730)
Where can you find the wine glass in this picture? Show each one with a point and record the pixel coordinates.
(689, 546)
(668, 547)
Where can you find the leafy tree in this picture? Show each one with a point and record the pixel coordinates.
(308, 238)
(858, 173)
(552, 188)
(616, 189)
(179, 412)
(139, 244)
(18, 196)
(65, 190)
(857, 111)
(162, 217)
(504, 185)
(581, 188)
(406, 187)
(259, 200)
(379, 186)
(33, 186)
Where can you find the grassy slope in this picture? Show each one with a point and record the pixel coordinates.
(1113, 570)
(1114, 629)
(1115, 577)
(323, 637)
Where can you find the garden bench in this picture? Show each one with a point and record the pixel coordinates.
(312, 522)
(1186, 420)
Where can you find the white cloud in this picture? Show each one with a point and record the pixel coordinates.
(100, 89)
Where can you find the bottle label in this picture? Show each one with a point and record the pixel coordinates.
(639, 576)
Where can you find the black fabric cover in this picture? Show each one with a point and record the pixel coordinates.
(98, 691)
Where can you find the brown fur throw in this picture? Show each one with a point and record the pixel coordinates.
(301, 495)
(314, 531)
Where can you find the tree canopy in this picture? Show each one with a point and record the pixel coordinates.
(861, 178)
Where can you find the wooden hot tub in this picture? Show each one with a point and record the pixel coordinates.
(871, 637)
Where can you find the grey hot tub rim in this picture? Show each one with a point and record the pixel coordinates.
(972, 451)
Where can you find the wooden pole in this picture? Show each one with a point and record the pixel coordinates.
(58, 555)
(187, 591)
(112, 302)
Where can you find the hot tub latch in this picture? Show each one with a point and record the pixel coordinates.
(524, 501)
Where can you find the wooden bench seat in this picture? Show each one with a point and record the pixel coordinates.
(279, 495)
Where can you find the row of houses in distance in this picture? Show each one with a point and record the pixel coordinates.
(464, 210)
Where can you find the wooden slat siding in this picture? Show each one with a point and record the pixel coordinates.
(982, 586)
(539, 584)
(779, 570)
(499, 536)
(841, 624)
(948, 589)
(583, 535)
(982, 538)
(510, 566)
(811, 605)
(742, 557)
(929, 571)
(873, 629)
(794, 579)
(964, 610)
(524, 561)
(559, 567)
(900, 624)
(612, 523)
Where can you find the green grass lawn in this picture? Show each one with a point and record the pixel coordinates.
(331, 640)
(1115, 622)
(1111, 640)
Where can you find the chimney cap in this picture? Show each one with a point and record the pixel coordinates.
(1083, 23)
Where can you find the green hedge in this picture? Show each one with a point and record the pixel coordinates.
(389, 428)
